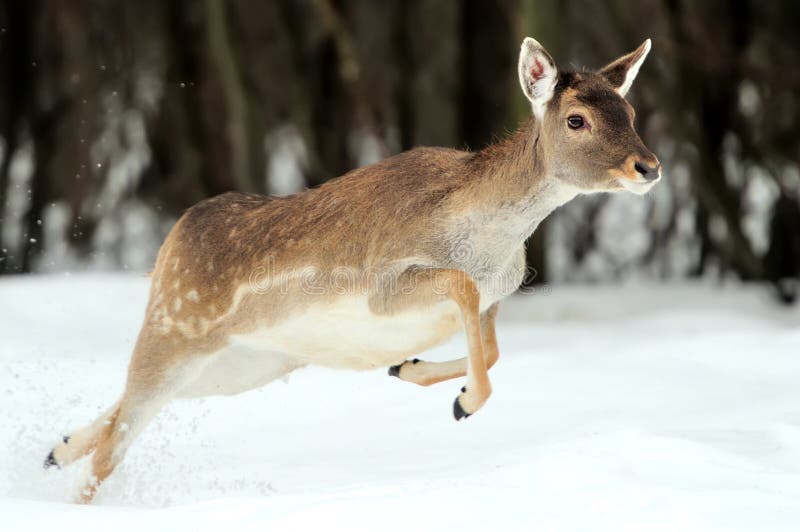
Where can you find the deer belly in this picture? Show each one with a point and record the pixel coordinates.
(347, 334)
(237, 369)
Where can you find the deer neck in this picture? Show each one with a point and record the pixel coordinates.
(513, 185)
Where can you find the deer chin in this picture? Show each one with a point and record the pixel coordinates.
(637, 187)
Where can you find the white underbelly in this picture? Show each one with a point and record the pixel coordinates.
(347, 334)
(237, 369)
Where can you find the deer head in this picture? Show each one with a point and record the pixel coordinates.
(585, 124)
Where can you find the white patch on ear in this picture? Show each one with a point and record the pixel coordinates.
(634, 69)
(623, 71)
(537, 75)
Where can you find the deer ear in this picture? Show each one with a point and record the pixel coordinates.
(622, 72)
(537, 74)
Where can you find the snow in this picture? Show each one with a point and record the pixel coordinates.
(660, 407)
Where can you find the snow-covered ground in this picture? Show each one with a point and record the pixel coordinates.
(619, 408)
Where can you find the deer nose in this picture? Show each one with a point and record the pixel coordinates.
(647, 171)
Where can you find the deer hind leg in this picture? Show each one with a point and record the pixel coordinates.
(135, 412)
(153, 380)
(426, 286)
(426, 373)
(81, 442)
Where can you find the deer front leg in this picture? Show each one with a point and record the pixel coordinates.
(426, 373)
(426, 286)
(478, 387)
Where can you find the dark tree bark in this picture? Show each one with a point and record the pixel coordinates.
(16, 20)
(490, 52)
(214, 81)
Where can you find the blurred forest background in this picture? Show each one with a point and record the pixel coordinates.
(117, 115)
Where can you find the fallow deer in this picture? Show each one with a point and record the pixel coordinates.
(373, 267)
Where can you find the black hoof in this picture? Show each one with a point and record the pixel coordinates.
(458, 412)
(394, 371)
(50, 461)
(65, 439)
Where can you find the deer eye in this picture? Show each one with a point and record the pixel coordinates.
(575, 122)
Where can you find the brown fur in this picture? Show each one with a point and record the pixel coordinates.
(423, 231)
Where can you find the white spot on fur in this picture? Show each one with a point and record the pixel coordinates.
(193, 296)
(186, 328)
(176, 305)
(166, 324)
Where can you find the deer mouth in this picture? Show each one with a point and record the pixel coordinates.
(637, 186)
